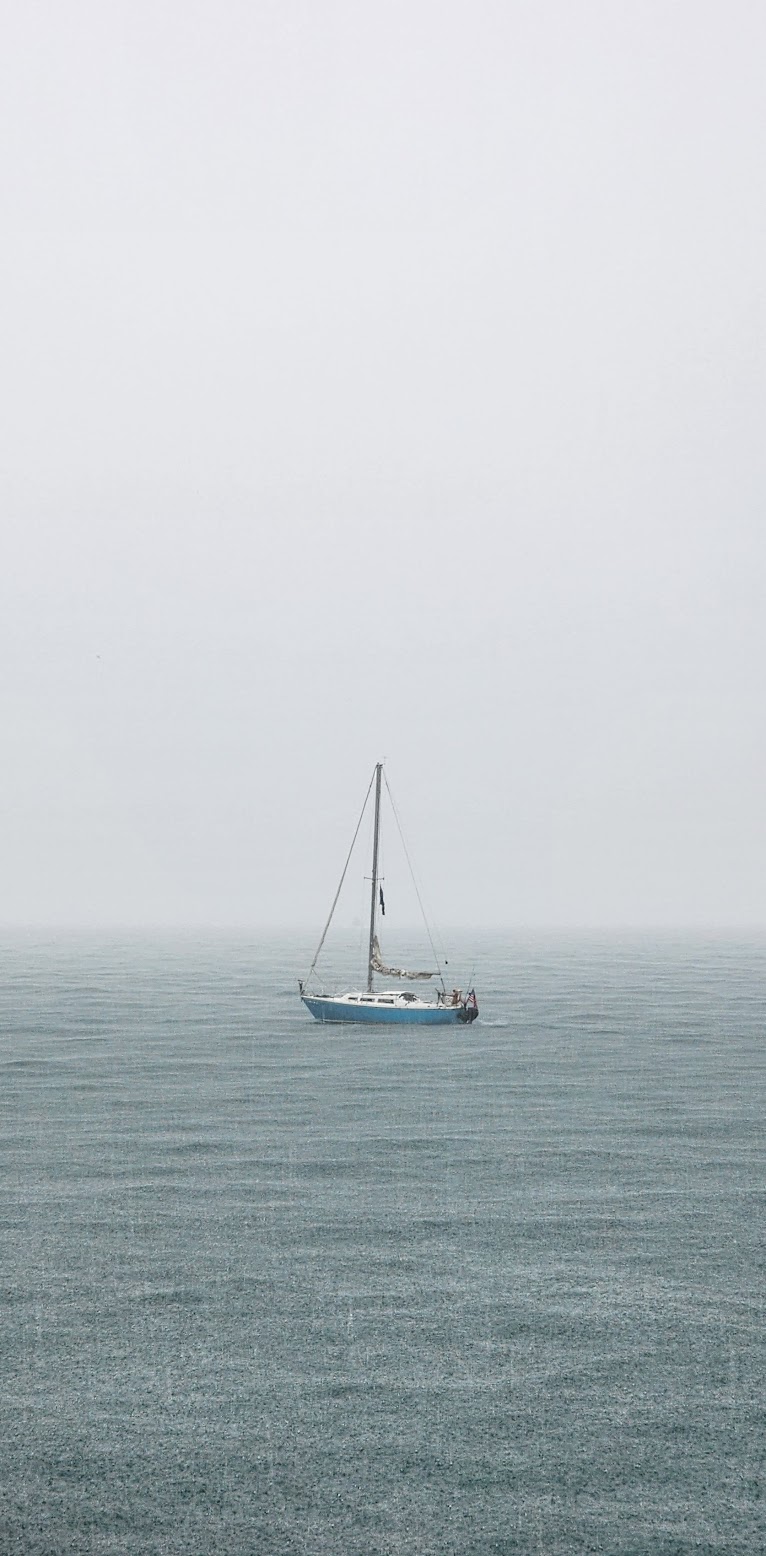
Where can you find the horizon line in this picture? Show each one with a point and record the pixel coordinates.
(243, 927)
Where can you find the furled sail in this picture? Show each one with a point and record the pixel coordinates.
(379, 966)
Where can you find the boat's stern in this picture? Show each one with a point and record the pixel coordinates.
(469, 1009)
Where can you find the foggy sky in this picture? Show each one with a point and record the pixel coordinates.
(383, 381)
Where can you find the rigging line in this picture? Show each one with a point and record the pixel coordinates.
(414, 879)
(342, 879)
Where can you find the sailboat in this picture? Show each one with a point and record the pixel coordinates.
(390, 1006)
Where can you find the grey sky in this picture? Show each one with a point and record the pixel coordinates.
(383, 380)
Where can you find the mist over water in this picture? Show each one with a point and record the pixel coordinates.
(271, 1286)
(383, 382)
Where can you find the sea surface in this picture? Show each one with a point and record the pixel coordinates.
(271, 1287)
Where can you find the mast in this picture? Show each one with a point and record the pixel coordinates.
(374, 893)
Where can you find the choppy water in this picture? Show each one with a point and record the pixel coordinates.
(275, 1288)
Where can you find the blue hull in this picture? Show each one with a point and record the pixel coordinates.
(330, 1010)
